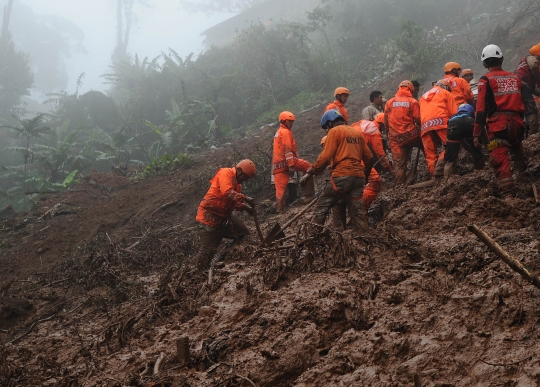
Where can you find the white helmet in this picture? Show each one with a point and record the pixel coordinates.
(491, 51)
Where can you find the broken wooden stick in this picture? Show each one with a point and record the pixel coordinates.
(158, 363)
(498, 250)
(535, 191)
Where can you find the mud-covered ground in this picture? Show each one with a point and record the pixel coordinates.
(96, 287)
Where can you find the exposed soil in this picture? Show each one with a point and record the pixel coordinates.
(95, 287)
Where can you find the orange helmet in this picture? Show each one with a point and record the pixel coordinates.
(466, 72)
(286, 116)
(323, 141)
(444, 83)
(450, 66)
(407, 84)
(247, 167)
(379, 118)
(341, 90)
(535, 50)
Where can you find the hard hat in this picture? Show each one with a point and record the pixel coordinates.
(407, 84)
(450, 66)
(323, 140)
(341, 90)
(330, 116)
(535, 50)
(379, 118)
(491, 51)
(247, 167)
(284, 116)
(466, 72)
(466, 108)
(444, 83)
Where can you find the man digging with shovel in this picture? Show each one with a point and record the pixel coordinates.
(215, 211)
(345, 149)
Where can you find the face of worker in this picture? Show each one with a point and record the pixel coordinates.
(416, 91)
(378, 100)
(241, 176)
(289, 124)
(343, 98)
(468, 77)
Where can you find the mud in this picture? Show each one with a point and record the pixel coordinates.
(97, 292)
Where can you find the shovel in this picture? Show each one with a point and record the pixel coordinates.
(277, 231)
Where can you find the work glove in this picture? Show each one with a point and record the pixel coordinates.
(477, 143)
(305, 178)
(250, 201)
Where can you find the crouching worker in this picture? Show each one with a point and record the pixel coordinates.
(460, 132)
(215, 211)
(345, 149)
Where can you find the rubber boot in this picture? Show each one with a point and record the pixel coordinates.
(439, 169)
(293, 193)
(449, 170)
(281, 205)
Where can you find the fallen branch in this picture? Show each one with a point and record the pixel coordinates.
(158, 363)
(510, 261)
(165, 206)
(505, 364)
(535, 191)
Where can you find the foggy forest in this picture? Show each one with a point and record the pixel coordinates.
(116, 117)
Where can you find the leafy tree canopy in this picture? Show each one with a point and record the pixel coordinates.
(15, 78)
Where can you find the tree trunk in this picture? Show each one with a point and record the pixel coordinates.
(7, 17)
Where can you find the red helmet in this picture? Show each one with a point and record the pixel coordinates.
(341, 90)
(286, 116)
(247, 167)
(444, 83)
(407, 84)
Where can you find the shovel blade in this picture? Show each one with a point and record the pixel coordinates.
(275, 233)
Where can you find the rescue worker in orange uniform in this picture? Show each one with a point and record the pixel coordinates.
(500, 110)
(436, 107)
(379, 121)
(468, 75)
(402, 121)
(342, 95)
(285, 162)
(527, 71)
(215, 211)
(374, 140)
(345, 150)
(459, 87)
(339, 210)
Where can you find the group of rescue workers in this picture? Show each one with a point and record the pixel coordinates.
(495, 112)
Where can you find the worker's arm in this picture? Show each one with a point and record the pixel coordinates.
(367, 158)
(228, 189)
(380, 154)
(324, 159)
(288, 148)
(481, 115)
(416, 113)
(452, 105)
(467, 92)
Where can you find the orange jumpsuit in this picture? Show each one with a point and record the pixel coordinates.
(436, 107)
(460, 89)
(285, 156)
(336, 105)
(374, 140)
(224, 196)
(401, 114)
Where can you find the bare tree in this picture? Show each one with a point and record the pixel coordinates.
(124, 12)
(7, 16)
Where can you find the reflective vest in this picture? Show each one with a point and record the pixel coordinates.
(499, 97)
(284, 150)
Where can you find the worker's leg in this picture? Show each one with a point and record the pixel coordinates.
(439, 138)
(281, 179)
(329, 197)
(450, 156)
(354, 186)
(531, 116)
(338, 215)
(476, 153)
(430, 151)
(210, 238)
(400, 156)
(371, 190)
